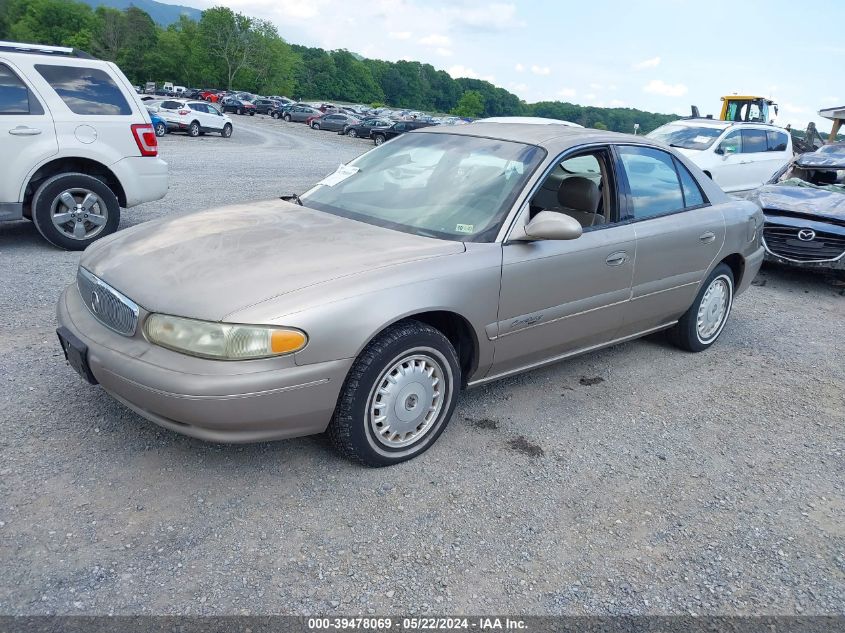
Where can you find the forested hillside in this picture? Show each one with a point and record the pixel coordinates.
(226, 49)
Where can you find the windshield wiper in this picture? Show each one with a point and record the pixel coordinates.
(292, 197)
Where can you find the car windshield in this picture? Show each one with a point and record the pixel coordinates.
(686, 136)
(447, 186)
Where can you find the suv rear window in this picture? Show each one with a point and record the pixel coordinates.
(85, 90)
(15, 98)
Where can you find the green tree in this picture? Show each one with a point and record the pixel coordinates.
(227, 37)
(52, 22)
(469, 105)
(599, 125)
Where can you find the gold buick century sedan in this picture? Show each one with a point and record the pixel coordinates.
(444, 259)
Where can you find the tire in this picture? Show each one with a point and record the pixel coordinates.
(226, 132)
(315, 126)
(48, 203)
(352, 134)
(252, 113)
(702, 324)
(274, 115)
(240, 111)
(161, 129)
(378, 139)
(194, 129)
(398, 359)
(286, 118)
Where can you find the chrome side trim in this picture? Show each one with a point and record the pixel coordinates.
(560, 357)
(554, 320)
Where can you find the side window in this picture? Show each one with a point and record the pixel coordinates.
(15, 97)
(170, 105)
(88, 91)
(655, 189)
(754, 141)
(198, 107)
(777, 141)
(732, 143)
(692, 192)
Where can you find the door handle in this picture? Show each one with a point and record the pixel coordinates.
(616, 259)
(24, 131)
(706, 238)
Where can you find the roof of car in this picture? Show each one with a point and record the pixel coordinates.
(551, 134)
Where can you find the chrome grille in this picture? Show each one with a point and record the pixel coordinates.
(111, 308)
(783, 241)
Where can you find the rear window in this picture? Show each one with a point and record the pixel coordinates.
(87, 91)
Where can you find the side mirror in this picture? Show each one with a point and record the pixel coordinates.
(549, 225)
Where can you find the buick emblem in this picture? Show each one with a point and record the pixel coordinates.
(95, 302)
(806, 235)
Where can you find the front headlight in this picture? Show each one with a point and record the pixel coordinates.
(223, 341)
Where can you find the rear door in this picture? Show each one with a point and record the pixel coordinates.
(678, 233)
(27, 137)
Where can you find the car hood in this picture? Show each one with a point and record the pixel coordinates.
(802, 200)
(213, 263)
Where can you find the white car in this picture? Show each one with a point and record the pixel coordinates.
(737, 156)
(194, 117)
(78, 143)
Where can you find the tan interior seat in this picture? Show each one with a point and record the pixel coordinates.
(579, 197)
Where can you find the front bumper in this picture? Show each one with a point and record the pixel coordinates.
(834, 264)
(218, 401)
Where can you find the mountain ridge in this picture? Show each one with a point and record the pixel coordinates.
(161, 13)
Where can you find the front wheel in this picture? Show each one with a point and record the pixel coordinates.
(378, 139)
(315, 126)
(226, 132)
(702, 324)
(286, 118)
(240, 111)
(73, 210)
(352, 134)
(252, 113)
(398, 397)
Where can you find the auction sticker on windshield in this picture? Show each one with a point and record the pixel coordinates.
(464, 228)
(343, 172)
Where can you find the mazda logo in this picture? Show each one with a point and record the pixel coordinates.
(806, 235)
(95, 302)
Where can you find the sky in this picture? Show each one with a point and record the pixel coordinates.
(655, 55)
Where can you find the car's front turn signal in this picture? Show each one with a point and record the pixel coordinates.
(222, 341)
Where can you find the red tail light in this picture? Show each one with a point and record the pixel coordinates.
(145, 137)
(184, 112)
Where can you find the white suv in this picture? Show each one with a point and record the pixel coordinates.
(194, 117)
(78, 144)
(737, 156)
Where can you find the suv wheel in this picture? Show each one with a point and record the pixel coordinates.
(73, 210)
(398, 396)
(378, 139)
(226, 132)
(194, 129)
(702, 324)
(161, 129)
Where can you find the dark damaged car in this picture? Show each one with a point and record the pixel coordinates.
(804, 208)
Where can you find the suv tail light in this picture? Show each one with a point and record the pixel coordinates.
(145, 137)
(184, 112)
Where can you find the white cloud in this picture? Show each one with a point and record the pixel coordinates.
(519, 68)
(462, 71)
(567, 92)
(590, 97)
(616, 103)
(497, 16)
(654, 62)
(443, 52)
(660, 87)
(435, 39)
(399, 35)
(540, 70)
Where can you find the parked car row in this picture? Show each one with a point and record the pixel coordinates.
(195, 118)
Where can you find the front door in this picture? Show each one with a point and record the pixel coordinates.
(27, 138)
(561, 296)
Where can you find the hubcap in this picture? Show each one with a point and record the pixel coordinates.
(713, 309)
(79, 214)
(407, 400)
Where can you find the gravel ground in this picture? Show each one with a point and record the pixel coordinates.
(636, 480)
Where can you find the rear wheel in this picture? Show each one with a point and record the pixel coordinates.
(194, 129)
(702, 324)
(73, 210)
(240, 111)
(398, 396)
(287, 118)
(161, 129)
(352, 134)
(252, 113)
(378, 139)
(226, 132)
(315, 126)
